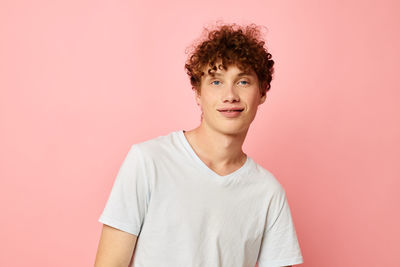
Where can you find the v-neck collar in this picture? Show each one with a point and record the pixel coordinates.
(204, 166)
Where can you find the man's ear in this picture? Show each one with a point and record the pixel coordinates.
(263, 98)
(197, 97)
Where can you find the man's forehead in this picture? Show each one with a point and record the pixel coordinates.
(221, 72)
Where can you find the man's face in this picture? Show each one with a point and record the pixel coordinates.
(227, 90)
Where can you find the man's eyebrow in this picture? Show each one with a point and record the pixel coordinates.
(244, 73)
(213, 74)
(216, 74)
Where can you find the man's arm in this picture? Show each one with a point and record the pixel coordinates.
(115, 248)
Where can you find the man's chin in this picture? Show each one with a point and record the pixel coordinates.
(232, 131)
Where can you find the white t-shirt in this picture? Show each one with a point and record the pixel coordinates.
(185, 214)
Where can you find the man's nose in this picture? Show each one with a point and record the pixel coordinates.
(230, 93)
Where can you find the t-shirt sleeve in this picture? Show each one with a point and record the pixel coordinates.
(126, 206)
(279, 246)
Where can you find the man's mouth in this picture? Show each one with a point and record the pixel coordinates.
(231, 110)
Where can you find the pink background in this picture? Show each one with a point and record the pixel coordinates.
(83, 80)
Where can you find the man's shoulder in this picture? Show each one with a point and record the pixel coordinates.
(156, 145)
(266, 177)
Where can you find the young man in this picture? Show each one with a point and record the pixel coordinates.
(194, 198)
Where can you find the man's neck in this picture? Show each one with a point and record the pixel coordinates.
(221, 152)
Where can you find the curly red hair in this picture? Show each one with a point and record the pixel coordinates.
(231, 44)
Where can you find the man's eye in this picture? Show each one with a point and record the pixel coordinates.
(215, 82)
(244, 82)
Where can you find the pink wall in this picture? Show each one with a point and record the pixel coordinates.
(80, 81)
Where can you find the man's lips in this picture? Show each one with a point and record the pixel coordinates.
(233, 112)
(231, 109)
